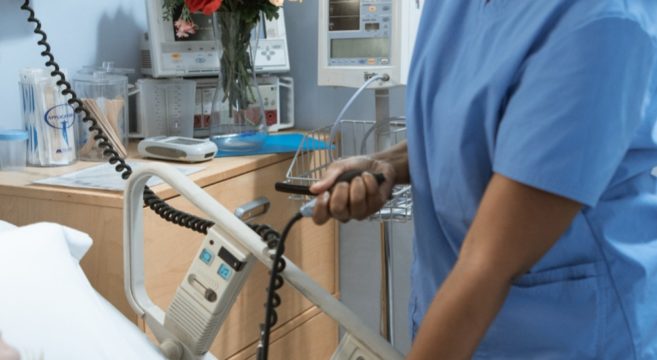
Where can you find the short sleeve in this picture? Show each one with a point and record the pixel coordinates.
(576, 106)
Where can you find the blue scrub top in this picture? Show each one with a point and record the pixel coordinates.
(558, 95)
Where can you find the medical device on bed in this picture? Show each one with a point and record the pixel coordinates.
(215, 277)
(362, 37)
(166, 55)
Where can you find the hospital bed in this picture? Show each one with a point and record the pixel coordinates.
(49, 308)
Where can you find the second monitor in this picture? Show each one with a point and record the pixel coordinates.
(164, 54)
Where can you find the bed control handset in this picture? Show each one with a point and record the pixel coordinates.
(208, 291)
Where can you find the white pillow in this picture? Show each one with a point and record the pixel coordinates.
(6, 226)
(48, 306)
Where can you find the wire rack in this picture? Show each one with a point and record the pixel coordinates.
(319, 148)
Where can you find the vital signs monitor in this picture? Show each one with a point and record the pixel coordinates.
(166, 55)
(358, 38)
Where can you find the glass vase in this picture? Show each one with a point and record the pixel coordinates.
(237, 119)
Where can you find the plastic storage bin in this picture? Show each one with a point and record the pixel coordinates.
(13, 149)
(49, 120)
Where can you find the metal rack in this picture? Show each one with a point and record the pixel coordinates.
(319, 148)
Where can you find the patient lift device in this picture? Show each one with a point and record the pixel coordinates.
(216, 276)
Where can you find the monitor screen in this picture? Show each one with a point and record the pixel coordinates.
(360, 48)
(204, 30)
(344, 15)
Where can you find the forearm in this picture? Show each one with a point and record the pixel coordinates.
(460, 314)
(514, 227)
(397, 156)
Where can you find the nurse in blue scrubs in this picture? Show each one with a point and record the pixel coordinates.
(531, 140)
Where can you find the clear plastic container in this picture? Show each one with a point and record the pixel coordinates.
(13, 149)
(105, 94)
(166, 107)
(49, 120)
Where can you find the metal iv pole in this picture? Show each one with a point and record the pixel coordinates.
(383, 141)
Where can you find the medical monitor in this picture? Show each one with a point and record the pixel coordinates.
(164, 54)
(361, 37)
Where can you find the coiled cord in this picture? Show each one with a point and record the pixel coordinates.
(276, 281)
(273, 241)
(164, 210)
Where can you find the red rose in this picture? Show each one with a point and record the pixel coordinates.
(206, 6)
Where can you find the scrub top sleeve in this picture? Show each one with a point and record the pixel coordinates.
(576, 106)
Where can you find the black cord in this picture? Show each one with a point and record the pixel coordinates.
(275, 282)
(164, 210)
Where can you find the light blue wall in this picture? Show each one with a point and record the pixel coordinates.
(81, 32)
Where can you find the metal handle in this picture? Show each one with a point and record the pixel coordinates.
(253, 209)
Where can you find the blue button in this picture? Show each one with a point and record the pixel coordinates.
(206, 256)
(224, 271)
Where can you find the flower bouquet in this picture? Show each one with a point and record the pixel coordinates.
(233, 118)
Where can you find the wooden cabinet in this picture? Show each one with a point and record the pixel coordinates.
(302, 331)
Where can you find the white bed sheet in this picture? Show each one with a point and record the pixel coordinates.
(48, 308)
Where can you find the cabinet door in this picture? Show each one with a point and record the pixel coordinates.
(170, 249)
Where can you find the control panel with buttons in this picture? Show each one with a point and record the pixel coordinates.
(209, 289)
(359, 37)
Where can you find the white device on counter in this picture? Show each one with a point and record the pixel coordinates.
(177, 148)
(165, 55)
(360, 37)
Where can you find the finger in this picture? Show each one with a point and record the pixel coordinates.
(358, 198)
(374, 198)
(328, 179)
(385, 189)
(338, 205)
(372, 187)
(321, 211)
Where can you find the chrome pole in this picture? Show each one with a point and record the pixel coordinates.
(383, 141)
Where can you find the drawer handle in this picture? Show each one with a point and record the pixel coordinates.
(253, 209)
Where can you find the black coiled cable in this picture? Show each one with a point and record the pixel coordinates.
(275, 282)
(273, 240)
(151, 200)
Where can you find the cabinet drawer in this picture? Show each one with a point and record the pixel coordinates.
(170, 249)
(315, 339)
